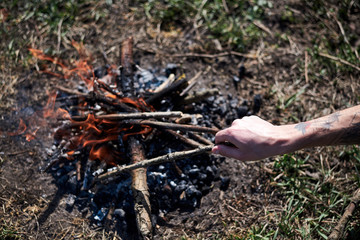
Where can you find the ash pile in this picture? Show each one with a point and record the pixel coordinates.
(106, 129)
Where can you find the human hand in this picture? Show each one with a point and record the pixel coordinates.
(252, 138)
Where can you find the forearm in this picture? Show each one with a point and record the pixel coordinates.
(340, 128)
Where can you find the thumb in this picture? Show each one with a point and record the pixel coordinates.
(227, 151)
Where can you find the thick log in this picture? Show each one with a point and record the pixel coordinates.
(126, 81)
(140, 190)
(139, 186)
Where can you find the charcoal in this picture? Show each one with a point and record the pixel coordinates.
(257, 103)
(101, 71)
(192, 191)
(223, 109)
(61, 182)
(119, 212)
(234, 102)
(101, 214)
(171, 68)
(242, 72)
(242, 111)
(70, 201)
(72, 185)
(225, 182)
(236, 81)
(193, 173)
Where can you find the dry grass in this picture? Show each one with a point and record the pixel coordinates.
(290, 68)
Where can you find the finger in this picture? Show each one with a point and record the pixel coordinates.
(224, 136)
(227, 151)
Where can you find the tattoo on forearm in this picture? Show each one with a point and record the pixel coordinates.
(302, 127)
(329, 122)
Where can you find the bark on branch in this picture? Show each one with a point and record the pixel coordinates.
(338, 231)
(155, 161)
(173, 126)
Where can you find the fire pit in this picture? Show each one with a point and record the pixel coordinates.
(130, 146)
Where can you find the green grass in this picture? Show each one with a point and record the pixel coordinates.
(8, 233)
(230, 23)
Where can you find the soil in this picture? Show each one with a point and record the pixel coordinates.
(34, 206)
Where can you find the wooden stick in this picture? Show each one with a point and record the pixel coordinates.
(184, 139)
(126, 116)
(140, 189)
(339, 60)
(338, 231)
(306, 67)
(199, 138)
(203, 55)
(155, 161)
(139, 185)
(143, 115)
(174, 126)
(199, 96)
(173, 87)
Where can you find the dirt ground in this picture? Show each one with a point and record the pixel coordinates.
(292, 90)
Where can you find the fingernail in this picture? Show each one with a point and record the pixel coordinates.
(215, 151)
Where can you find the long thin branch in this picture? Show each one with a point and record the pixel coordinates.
(338, 231)
(158, 160)
(204, 55)
(143, 115)
(174, 126)
(340, 60)
(125, 116)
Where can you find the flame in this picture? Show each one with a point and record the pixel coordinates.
(106, 153)
(82, 69)
(96, 134)
(21, 129)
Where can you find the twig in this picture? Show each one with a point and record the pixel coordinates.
(143, 115)
(173, 87)
(199, 96)
(199, 138)
(71, 91)
(192, 83)
(204, 55)
(338, 231)
(158, 160)
(174, 126)
(339, 60)
(184, 139)
(306, 67)
(263, 27)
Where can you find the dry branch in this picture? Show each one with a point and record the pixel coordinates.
(199, 96)
(174, 126)
(204, 55)
(184, 139)
(139, 185)
(158, 160)
(340, 60)
(173, 87)
(338, 231)
(143, 115)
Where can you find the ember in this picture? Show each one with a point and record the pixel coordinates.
(120, 124)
